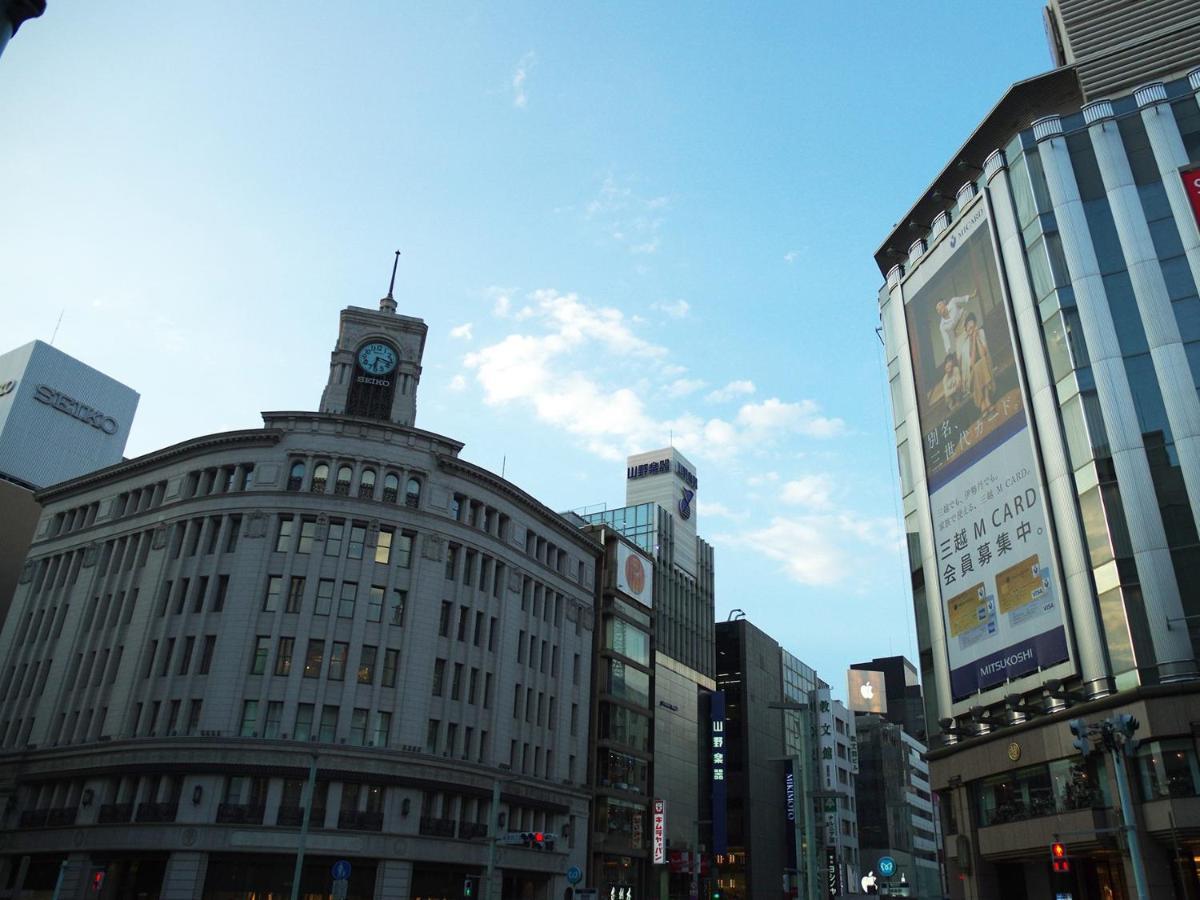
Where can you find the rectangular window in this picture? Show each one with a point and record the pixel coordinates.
(346, 600)
(478, 629)
(575, 670)
(396, 615)
(337, 660)
(431, 735)
(391, 661)
(463, 614)
(262, 649)
(383, 549)
(249, 718)
(375, 604)
(314, 659)
(168, 652)
(274, 719)
(358, 727)
(185, 662)
(206, 654)
(403, 548)
(308, 533)
(333, 540)
(439, 676)
(492, 635)
(366, 664)
(193, 722)
(283, 538)
(382, 729)
(487, 690)
(222, 590)
(180, 597)
(473, 685)
(283, 659)
(324, 597)
(358, 537)
(451, 737)
(444, 619)
(329, 718)
(274, 590)
(521, 648)
(295, 594)
(451, 561)
(517, 701)
(304, 719)
(469, 568)
(456, 683)
(235, 531)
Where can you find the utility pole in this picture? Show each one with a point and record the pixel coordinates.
(306, 812)
(493, 827)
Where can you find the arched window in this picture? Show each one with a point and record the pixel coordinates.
(320, 477)
(412, 492)
(296, 477)
(366, 485)
(391, 488)
(342, 485)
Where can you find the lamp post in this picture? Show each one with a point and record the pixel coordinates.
(306, 803)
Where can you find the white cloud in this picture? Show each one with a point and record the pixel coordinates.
(812, 491)
(820, 550)
(762, 478)
(681, 387)
(501, 300)
(462, 332)
(731, 390)
(676, 309)
(710, 509)
(628, 217)
(524, 65)
(791, 256)
(458, 383)
(584, 368)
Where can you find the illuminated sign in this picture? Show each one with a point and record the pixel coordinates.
(717, 739)
(660, 832)
(866, 690)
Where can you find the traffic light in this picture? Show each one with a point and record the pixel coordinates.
(1082, 742)
(97, 881)
(716, 894)
(1058, 857)
(468, 887)
(534, 839)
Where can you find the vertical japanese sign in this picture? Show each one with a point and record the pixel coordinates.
(1191, 184)
(833, 874)
(996, 577)
(789, 787)
(660, 831)
(716, 708)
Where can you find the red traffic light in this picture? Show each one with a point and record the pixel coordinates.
(538, 837)
(1058, 857)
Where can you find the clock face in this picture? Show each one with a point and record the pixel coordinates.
(376, 358)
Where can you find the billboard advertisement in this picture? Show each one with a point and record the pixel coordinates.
(998, 584)
(660, 831)
(867, 691)
(635, 574)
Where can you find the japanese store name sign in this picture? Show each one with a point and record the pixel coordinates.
(660, 832)
(998, 583)
(716, 708)
(1191, 183)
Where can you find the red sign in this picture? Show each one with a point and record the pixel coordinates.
(1191, 183)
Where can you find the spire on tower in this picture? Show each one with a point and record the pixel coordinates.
(388, 303)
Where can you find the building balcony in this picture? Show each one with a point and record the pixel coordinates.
(293, 817)
(438, 827)
(64, 815)
(34, 818)
(240, 814)
(157, 812)
(353, 820)
(114, 813)
(1033, 835)
(470, 831)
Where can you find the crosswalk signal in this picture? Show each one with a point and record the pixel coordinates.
(97, 881)
(468, 887)
(1058, 857)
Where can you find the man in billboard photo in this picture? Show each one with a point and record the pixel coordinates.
(979, 366)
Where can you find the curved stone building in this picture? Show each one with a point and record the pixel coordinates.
(334, 599)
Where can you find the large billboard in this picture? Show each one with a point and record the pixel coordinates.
(998, 584)
(867, 691)
(635, 574)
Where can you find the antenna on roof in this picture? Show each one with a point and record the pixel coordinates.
(388, 303)
(56, 324)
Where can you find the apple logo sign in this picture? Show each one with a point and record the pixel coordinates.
(867, 690)
(869, 881)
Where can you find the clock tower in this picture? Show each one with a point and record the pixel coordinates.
(376, 366)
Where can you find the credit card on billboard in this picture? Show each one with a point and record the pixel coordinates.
(968, 610)
(1019, 584)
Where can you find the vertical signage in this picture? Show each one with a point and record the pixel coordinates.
(833, 874)
(660, 831)
(996, 574)
(1191, 183)
(789, 787)
(717, 717)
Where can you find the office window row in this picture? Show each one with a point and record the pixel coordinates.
(344, 483)
(332, 598)
(363, 727)
(187, 594)
(303, 534)
(470, 685)
(330, 658)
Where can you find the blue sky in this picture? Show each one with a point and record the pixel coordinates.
(622, 222)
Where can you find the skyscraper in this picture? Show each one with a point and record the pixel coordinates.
(1042, 327)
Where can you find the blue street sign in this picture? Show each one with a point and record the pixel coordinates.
(341, 870)
(574, 875)
(887, 866)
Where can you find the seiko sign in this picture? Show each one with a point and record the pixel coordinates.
(76, 409)
(7, 387)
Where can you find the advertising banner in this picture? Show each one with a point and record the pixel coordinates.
(635, 575)
(1191, 183)
(716, 710)
(1001, 603)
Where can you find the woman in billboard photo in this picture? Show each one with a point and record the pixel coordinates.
(979, 366)
(953, 385)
